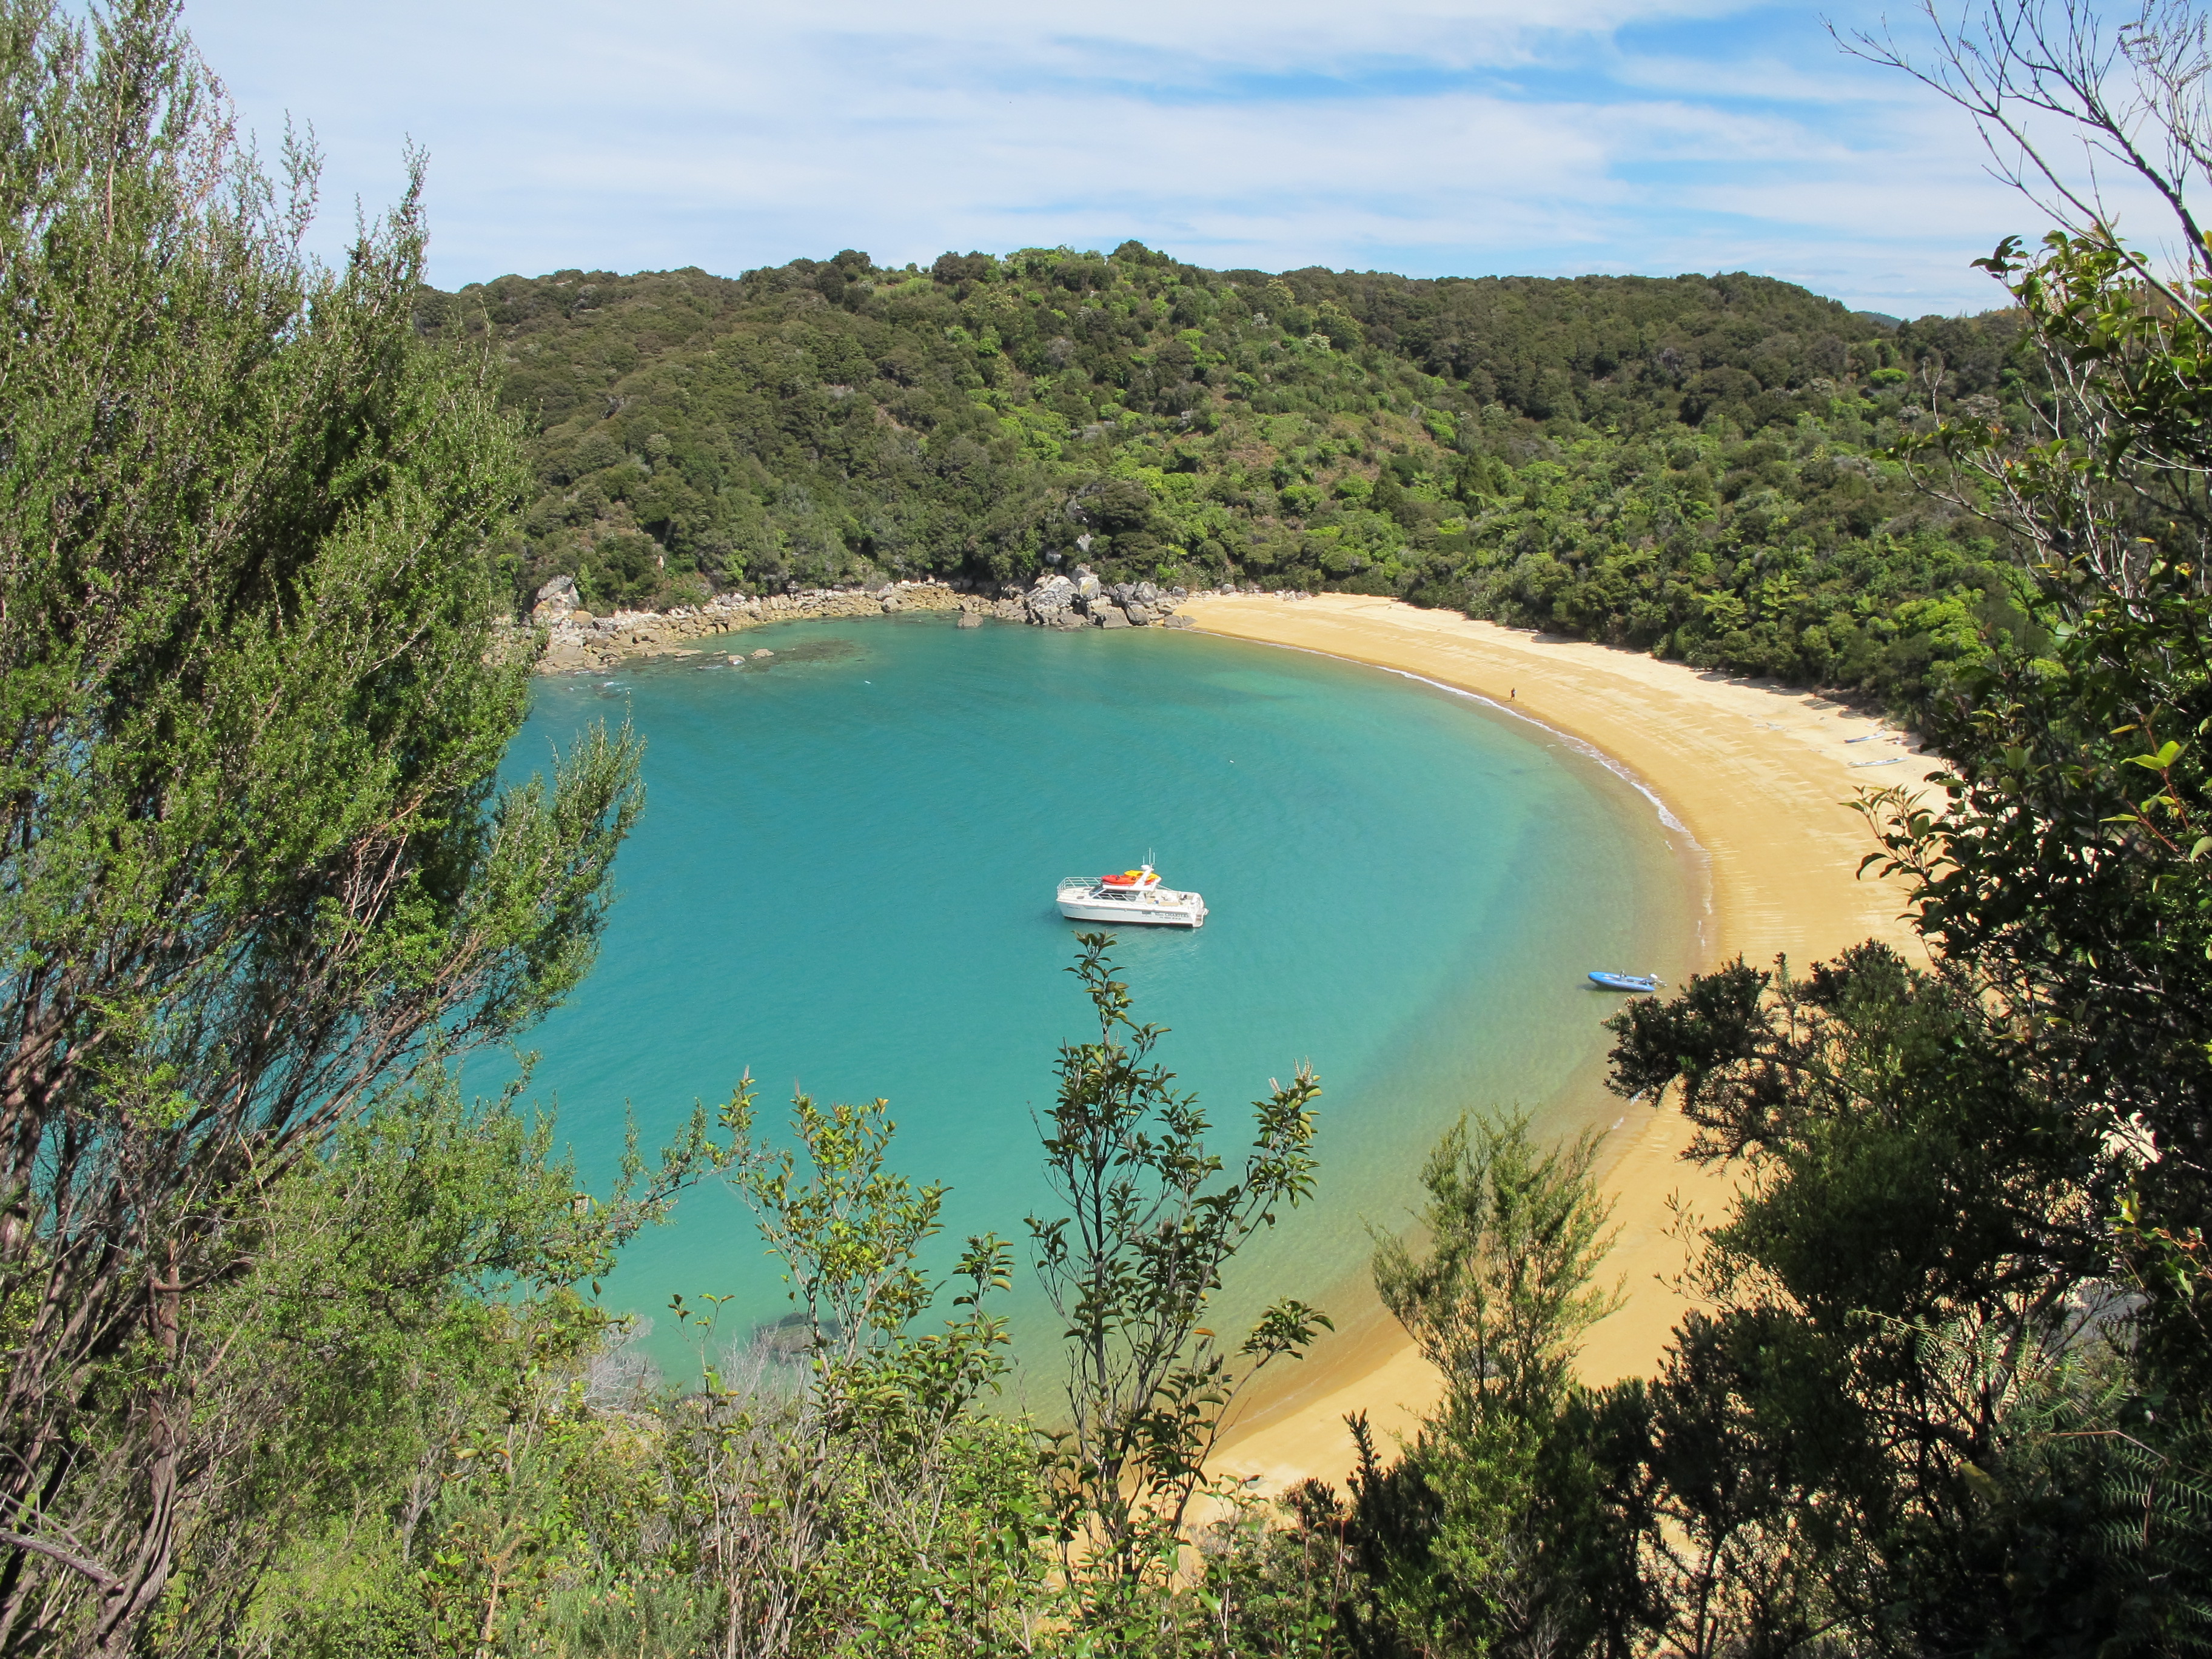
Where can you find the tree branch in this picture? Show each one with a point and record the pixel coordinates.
(69, 1558)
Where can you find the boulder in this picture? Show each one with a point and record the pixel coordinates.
(968, 619)
(1086, 582)
(763, 652)
(1147, 592)
(1103, 615)
(1177, 622)
(561, 590)
(1139, 613)
(1053, 597)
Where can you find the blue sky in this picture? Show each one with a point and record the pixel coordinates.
(1427, 137)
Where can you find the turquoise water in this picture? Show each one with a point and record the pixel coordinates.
(843, 881)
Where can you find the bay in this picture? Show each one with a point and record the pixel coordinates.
(843, 881)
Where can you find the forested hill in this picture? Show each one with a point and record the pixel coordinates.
(1691, 465)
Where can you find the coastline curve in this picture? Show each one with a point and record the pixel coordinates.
(1756, 777)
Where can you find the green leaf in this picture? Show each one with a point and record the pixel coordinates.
(2167, 754)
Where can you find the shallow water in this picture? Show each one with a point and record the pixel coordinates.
(843, 879)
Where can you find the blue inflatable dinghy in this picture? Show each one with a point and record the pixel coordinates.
(1626, 981)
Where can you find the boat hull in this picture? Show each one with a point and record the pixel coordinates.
(1145, 911)
(1633, 983)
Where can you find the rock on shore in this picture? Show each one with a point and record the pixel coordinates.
(577, 642)
(1082, 600)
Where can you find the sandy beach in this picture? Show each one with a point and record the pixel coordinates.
(1761, 776)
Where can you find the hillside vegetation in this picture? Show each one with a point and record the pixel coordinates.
(1693, 466)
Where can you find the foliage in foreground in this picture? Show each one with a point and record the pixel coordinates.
(253, 870)
(502, 1475)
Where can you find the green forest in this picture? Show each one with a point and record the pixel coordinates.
(304, 1352)
(1697, 466)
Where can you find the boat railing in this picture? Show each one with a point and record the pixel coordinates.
(1150, 895)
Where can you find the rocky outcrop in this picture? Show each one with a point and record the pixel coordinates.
(1081, 600)
(555, 600)
(578, 642)
(1051, 602)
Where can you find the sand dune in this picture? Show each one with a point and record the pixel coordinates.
(1762, 776)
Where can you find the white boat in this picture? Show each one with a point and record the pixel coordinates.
(1129, 895)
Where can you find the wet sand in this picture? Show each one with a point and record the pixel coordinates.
(1761, 776)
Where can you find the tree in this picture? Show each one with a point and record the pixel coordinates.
(406, 1275)
(254, 867)
(2070, 870)
(865, 1492)
(1501, 1290)
(2067, 874)
(1489, 1534)
(1894, 1417)
(1131, 1269)
(1962, 1305)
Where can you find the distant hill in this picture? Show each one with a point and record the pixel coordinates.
(1686, 464)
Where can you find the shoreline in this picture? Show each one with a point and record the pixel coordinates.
(578, 641)
(1759, 776)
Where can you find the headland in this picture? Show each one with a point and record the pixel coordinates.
(578, 641)
(1762, 776)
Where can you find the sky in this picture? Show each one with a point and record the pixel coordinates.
(1432, 137)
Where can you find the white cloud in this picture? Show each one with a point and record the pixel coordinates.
(1434, 135)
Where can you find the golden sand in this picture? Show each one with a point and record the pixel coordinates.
(1762, 776)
